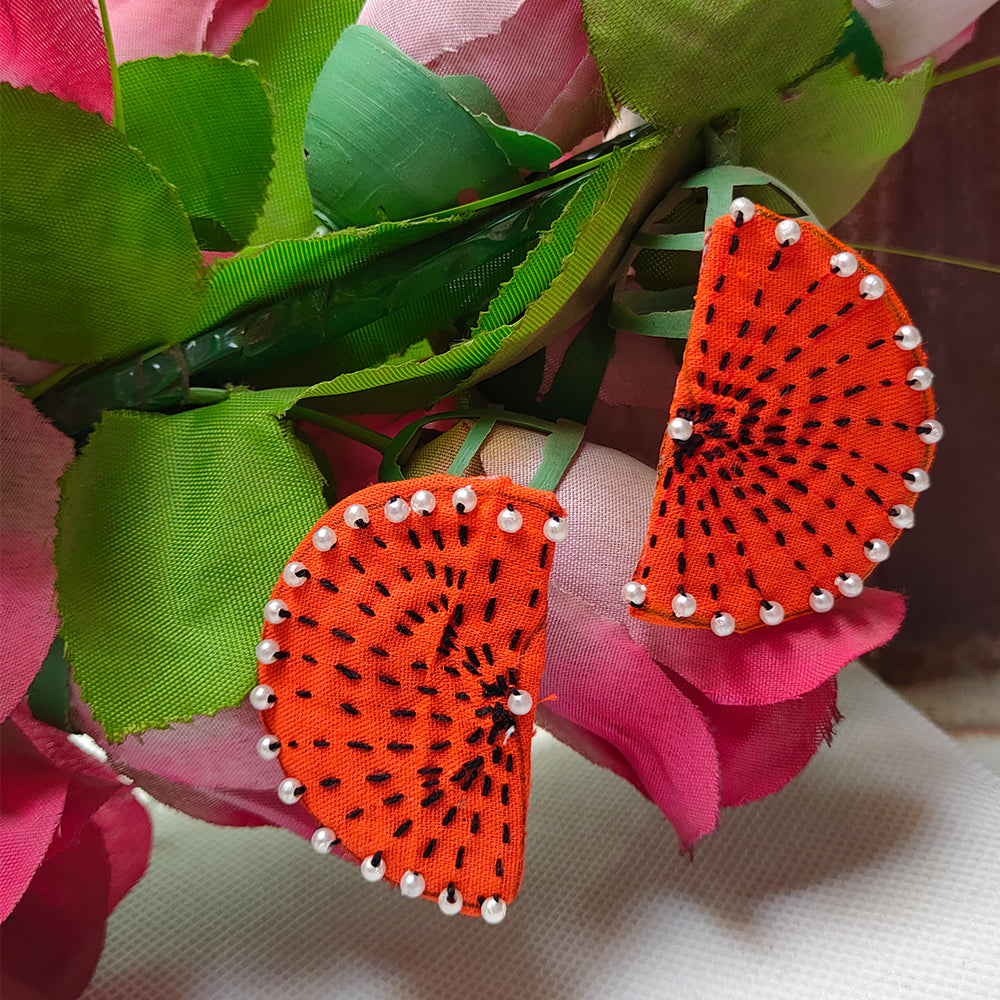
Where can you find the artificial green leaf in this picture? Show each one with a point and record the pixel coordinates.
(171, 533)
(829, 137)
(48, 696)
(526, 150)
(99, 260)
(860, 43)
(290, 41)
(558, 282)
(384, 140)
(473, 94)
(205, 123)
(686, 61)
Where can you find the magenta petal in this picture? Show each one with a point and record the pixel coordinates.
(124, 826)
(606, 684)
(57, 47)
(762, 747)
(770, 665)
(32, 796)
(52, 941)
(33, 454)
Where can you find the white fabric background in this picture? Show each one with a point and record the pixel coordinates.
(875, 875)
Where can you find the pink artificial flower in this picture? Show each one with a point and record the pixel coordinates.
(533, 55)
(57, 47)
(75, 841)
(911, 30)
(34, 455)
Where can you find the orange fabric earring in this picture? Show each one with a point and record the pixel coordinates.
(802, 430)
(400, 666)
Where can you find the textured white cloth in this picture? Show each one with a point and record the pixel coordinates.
(874, 876)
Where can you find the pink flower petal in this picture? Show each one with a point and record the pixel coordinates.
(34, 455)
(212, 752)
(52, 941)
(607, 496)
(608, 686)
(538, 57)
(229, 19)
(762, 747)
(32, 796)
(140, 28)
(124, 826)
(57, 47)
(910, 30)
(425, 30)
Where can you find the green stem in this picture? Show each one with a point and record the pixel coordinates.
(957, 74)
(36, 389)
(975, 265)
(118, 113)
(365, 436)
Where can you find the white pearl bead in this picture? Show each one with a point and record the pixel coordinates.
(679, 429)
(290, 791)
(876, 550)
(901, 516)
(723, 623)
(464, 499)
(324, 840)
(741, 207)
(820, 600)
(771, 613)
(372, 872)
(519, 702)
(918, 480)
(268, 747)
(262, 697)
(493, 910)
(787, 232)
(871, 286)
(850, 584)
(449, 907)
(397, 510)
(634, 593)
(843, 264)
(931, 431)
(919, 378)
(908, 337)
(356, 516)
(324, 538)
(273, 612)
(556, 529)
(509, 520)
(423, 502)
(683, 605)
(412, 885)
(290, 574)
(265, 651)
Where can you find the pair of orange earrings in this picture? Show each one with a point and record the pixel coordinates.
(404, 642)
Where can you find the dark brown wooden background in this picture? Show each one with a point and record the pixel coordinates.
(941, 194)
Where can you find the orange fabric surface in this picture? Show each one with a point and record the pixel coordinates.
(803, 427)
(402, 647)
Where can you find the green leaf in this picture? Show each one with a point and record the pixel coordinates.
(859, 42)
(48, 696)
(686, 61)
(290, 41)
(558, 282)
(99, 259)
(171, 533)
(526, 150)
(205, 123)
(829, 137)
